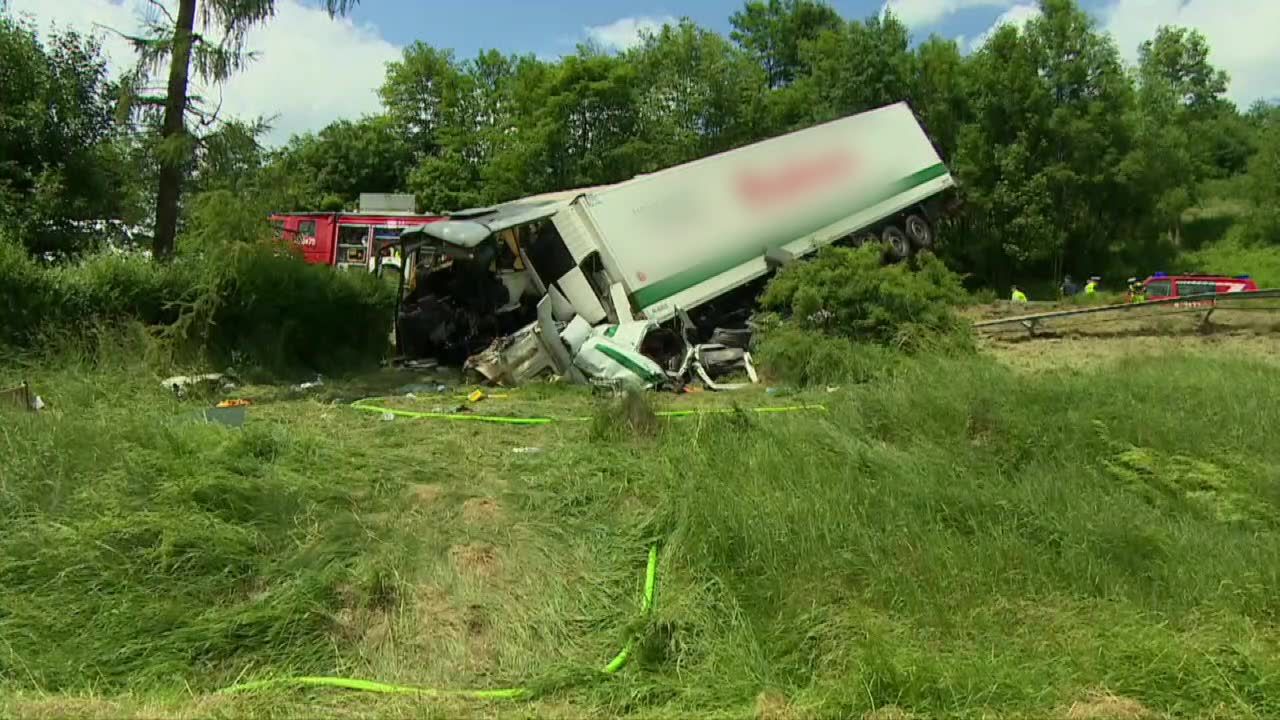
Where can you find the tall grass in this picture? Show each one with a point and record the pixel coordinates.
(951, 538)
(143, 546)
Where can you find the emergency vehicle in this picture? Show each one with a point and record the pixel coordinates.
(367, 239)
(1161, 286)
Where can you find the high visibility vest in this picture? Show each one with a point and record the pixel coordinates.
(1019, 296)
(1091, 288)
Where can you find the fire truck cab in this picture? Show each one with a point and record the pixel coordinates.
(366, 239)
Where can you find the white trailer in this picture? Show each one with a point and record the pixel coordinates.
(646, 249)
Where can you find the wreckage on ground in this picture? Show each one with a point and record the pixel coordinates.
(651, 281)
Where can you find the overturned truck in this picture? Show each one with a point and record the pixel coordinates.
(641, 282)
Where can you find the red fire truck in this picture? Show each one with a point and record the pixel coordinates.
(1161, 286)
(365, 239)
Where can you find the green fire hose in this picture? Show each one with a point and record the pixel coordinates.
(618, 662)
(506, 420)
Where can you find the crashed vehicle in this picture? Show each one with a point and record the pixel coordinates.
(639, 282)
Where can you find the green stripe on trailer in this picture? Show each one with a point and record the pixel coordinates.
(631, 365)
(681, 281)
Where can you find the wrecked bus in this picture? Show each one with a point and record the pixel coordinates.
(628, 282)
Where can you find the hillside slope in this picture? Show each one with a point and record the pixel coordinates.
(958, 540)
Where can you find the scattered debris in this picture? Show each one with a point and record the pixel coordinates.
(236, 402)
(476, 396)
(388, 416)
(229, 416)
(527, 450)
(182, 385)
(318, 382)
(420, 364)
(422, 388)
(21, 397)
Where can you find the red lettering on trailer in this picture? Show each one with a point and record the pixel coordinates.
(799, 178)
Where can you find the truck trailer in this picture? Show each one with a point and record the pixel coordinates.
(619, 281)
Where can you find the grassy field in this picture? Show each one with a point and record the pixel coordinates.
(991, 537)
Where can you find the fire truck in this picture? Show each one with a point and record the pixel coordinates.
(1199, 288)
(366, 239)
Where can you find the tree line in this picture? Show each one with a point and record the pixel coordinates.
(1069, 160)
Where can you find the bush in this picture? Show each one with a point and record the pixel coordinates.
(256, 304)
(267, 305)
(1233, 256)
(804, 357)
(848, 293)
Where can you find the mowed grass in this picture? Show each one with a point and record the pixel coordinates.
(956, 539)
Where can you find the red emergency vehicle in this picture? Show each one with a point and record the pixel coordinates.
(1162, 287)
(348, 240)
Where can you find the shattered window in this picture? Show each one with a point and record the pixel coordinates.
(550, 258)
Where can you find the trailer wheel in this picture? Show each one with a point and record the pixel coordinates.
(899, 248)
(919, 232)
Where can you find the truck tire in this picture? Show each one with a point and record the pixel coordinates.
(897, 245)
(919, 232)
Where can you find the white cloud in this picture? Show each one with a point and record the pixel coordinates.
(625, 33)
(916, 13)
(1241, 36)
(1018, 16)
(310, 70)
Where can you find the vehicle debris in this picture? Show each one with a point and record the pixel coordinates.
(181, 385)
(650, 283)
(21, 397)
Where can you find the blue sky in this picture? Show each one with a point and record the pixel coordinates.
(469, 26)
(311, 69)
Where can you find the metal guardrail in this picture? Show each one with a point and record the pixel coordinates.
(1168, 306)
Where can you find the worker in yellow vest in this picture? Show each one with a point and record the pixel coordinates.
(1018, 296)
(1091, 287)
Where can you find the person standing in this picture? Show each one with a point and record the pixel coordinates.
(1069, 287)
(1018, 296)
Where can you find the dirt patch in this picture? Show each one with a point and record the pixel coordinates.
(424, 494)
(481, 644)
(773, 705)
(1106, 706)
(475, 559)
(888, 712)
(371, 626)
(481, 511)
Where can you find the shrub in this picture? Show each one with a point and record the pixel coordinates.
(804, 357)
(848, 293)
(262, 302)
(1233, 256)
(254, 303)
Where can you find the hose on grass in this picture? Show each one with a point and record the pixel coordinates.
(506, 420)
(618, 662)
